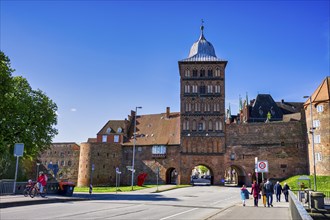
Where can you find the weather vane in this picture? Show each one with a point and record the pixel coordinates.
(202, 26)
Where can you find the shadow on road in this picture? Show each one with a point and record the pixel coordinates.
(130, 197)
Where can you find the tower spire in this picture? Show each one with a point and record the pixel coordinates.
(202, 27)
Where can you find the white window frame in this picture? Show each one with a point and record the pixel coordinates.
(116, 138)
(317, 139)
(316, 123)
(218, 126)
(159, 149)
(194, 89)
(187, 73)
(217, 72)
(209, 89)
(104, 138)
(186, 88)
(319, 108)
(217, 89)
(318, 156)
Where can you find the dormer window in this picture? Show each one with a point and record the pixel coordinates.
(108, 130)
(260, 111)
(272, 111)
(119, 130)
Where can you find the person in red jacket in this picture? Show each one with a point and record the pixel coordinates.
(255, 192)
(42, 181)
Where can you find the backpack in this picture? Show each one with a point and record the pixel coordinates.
(267, 187)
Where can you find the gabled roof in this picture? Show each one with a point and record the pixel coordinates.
(157, 129)
(321, 94)
(290, 107)
(113, 125)
(263, 104)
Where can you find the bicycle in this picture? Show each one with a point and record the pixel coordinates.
(35, 191)
(28, 188)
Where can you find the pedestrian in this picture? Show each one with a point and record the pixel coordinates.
(269, 189)
(255, 192)
(263, 192)
(278, 191)
(244, 194)
(285, 191)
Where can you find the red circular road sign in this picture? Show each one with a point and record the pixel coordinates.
(262, 165)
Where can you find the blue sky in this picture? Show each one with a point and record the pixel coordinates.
(98, 60)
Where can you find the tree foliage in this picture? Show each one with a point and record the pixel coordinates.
(26, 116)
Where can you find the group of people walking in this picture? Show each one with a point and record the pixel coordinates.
(265, 191)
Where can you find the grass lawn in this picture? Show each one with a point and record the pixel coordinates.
(322, 182)
(106, 189)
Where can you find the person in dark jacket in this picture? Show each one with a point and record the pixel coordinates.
(269, 189)
(285, 191)
(278, 191)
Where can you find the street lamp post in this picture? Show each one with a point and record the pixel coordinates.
(38, 164)
(311, 131)
(133, 160)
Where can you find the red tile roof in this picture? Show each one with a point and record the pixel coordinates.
(156, 129)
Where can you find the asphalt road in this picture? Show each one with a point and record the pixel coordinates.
(199, 202)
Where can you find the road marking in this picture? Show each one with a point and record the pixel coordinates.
(180, 213)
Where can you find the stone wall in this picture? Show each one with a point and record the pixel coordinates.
(66, 156)
(145, 162)
(282, 144)
(322, 149)
(105, 157)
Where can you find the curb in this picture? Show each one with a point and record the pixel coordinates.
(39, 201)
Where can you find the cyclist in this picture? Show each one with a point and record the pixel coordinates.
(42, 181)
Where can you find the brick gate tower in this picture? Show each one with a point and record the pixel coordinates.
(202, 108)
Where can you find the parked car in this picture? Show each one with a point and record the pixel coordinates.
(206, 181)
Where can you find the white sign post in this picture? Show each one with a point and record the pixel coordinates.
(117, 174)
(18, 152)
(262, 167)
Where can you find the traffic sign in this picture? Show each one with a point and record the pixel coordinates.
(262, 166)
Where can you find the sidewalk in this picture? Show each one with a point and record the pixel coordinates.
(238, 211)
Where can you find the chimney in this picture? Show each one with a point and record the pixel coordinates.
(167, 112)
(282, 100)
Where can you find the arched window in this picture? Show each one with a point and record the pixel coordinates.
(210, 125)
(194, 73)
(194, 89)
(186, 89)
(202, 89)
(202, 73)
(217, 72)
(218, 125)
(188, 107)
(108, 130)
(210, 73)
(187, 73)
(194, 125)
(209, 89)
(186, 125)
(217, 89)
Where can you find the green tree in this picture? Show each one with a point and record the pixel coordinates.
(26, 116)
(203, 169)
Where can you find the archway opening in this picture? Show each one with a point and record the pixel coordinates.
(235, 176)
(201, 175)
(171, 176)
